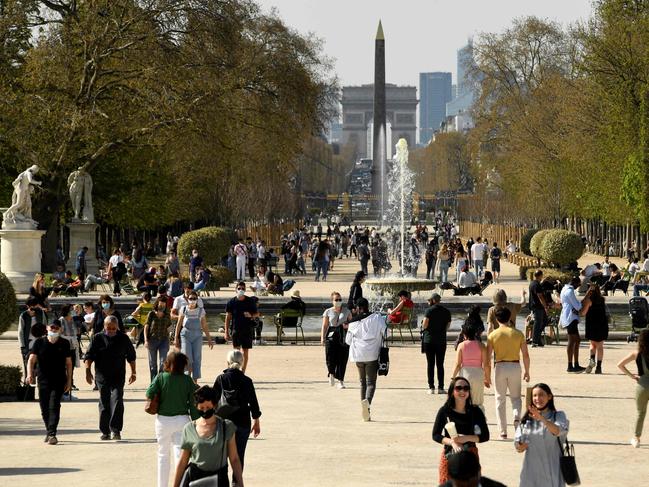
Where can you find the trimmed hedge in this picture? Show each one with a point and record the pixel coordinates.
(561, 247)
(10, 376)
(212, 244)
(554, 274)
(537, 241)
(221, 276)
(8, 304)
(525, 240)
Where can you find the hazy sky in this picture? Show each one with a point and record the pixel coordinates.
(421, 35)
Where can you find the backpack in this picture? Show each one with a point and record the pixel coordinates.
(229, 402)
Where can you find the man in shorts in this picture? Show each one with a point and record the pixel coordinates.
(240, 312)
(570, 307)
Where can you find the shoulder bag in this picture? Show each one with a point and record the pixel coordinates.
(384, 354)
(568, 464)
(152, 404)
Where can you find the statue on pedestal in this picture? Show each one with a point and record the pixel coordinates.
(20, 211)
(80, 186)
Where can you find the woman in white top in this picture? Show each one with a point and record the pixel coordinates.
(115, 270)
(334, 325)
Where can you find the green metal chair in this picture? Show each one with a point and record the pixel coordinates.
(279, 324)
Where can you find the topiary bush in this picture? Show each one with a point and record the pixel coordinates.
(222, 276)
(537, 241)
(525, 240)
(212, 244)
(561, 247)
(8, 304)
(10, 376)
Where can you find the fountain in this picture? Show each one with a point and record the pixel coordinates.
(400, 184)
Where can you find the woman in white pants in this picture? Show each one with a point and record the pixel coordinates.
(470, 362)
(176, 406)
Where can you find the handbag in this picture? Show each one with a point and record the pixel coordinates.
(568, 464)
(152, 405)
(384, 355)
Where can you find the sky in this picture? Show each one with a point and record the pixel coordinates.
(421, 35)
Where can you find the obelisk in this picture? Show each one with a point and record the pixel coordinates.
(379, 150)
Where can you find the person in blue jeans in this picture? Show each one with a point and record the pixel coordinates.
(156, 335)
(189, 334)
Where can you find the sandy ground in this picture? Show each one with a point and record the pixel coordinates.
(313, 435)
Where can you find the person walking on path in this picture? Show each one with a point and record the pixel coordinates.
(470, 363)
(237, 384)
(500, 300)
(594, 308)
(32, 320)
(459, 424)
(109, 350)
(156, 335)
(334, 325)
(356, 290)
(54, 358)
(239, 323)
(436, 322)
(507, 345)
(364, 337)
(189, 334)
(569, 320)
(538, 307)
(537, 436)
(241, 254)
(175, 392)
(69, 332)
(641, 359)
(207, 444)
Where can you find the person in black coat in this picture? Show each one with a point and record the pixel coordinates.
(296, 304)
(233, 379)
(356, 291)
(106, 307)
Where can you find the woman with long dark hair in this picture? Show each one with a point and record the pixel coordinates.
(537, 436)
(470, 362)
(322, 255)
(356, 290)
(459, 425)
(594, 308)
(641, 359)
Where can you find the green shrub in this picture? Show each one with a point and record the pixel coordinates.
(537, 241)
(212, 244)
(9, 379)
(221, 276)
(561, 247)
(554, 274)
(525, 241)
(8, 304)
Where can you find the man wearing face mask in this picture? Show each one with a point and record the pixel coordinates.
(109, 351)
(54, 358)
(240, 311)
(34, 315)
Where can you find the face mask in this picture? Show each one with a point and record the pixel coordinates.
(105, 305)
(207, 414)
(241, 292)
(110, 333)
(53, 334)
(338, 304)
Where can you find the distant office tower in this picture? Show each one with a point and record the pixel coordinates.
(435, 90)
(358, 112)
(458, 108)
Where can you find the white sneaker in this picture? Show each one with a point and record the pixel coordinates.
(431, 391)
(332, 381)
(340, 385)
(590, 366)
(635, 442)
(365, 409)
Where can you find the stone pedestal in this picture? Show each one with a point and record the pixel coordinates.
(21, 256)
(83, 235)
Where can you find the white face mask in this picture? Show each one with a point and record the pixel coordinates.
(338, 304)
(53, 334)
(241, 292)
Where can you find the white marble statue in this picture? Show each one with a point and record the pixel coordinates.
(80, 185)
(20, 211)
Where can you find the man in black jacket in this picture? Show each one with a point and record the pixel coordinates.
(464, 471)
(109, 350)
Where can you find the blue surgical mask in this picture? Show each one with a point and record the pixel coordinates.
(105, 305)
(53, 334)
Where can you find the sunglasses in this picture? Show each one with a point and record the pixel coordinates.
(462, 388)
(338, 300)
(192, 300)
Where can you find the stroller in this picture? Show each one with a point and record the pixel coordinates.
(639, 313)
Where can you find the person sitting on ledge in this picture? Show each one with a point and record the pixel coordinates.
(467, 278)
(404, 307)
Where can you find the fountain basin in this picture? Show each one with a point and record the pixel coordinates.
(391, 286)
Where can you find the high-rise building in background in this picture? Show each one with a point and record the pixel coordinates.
(435, 90)
(457, 110)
